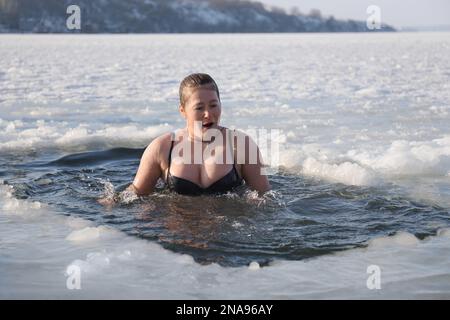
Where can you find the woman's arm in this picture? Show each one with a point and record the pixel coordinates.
(252, 171)
(146, 177)
(149, 169)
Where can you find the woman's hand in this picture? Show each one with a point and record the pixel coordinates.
(128, 195)
(106, 201)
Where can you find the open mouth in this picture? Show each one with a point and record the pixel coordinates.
(208, 125)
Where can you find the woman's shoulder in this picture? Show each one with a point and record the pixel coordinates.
(163, 139)
(159, 145)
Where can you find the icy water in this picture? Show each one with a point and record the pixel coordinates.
(364, 175)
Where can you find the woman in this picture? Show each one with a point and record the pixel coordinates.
(202, 158)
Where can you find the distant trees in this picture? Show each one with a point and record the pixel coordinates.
(295, 11)
(166, 16)
(278, 10)
(9, 13)
(315, 13)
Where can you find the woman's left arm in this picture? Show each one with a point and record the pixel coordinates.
(252, 172)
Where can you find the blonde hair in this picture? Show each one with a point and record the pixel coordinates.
(196, 81)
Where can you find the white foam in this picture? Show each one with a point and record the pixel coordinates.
(445, 232)
(42, 135)
(254, 266)
(370, 166)
(403, 239)
(347, 173)
(410, 158)
(12, 206)
(91, 234)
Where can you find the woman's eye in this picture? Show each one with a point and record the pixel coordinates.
(213, 105)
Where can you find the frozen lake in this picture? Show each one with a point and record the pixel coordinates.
(363, 177)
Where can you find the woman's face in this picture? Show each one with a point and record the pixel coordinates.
(202, 108)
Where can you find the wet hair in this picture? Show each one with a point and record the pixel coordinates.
(197, 81)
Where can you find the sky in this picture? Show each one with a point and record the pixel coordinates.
(399, 13)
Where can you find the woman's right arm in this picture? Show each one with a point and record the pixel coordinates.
(149, 169)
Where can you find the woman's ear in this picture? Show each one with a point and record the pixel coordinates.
(182, 110)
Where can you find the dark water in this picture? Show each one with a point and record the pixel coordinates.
(301, 218)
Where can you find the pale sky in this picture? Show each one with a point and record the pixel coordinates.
(399, 13)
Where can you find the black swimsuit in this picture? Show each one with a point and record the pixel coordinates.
(183, 186)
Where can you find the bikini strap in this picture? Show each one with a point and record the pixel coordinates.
(233, 149)
(172, 138)
(230, 145)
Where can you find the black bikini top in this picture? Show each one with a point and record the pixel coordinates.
(183, 186)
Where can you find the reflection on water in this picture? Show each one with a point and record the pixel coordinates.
(301, 218)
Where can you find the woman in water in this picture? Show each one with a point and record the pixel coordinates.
(202, 158)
